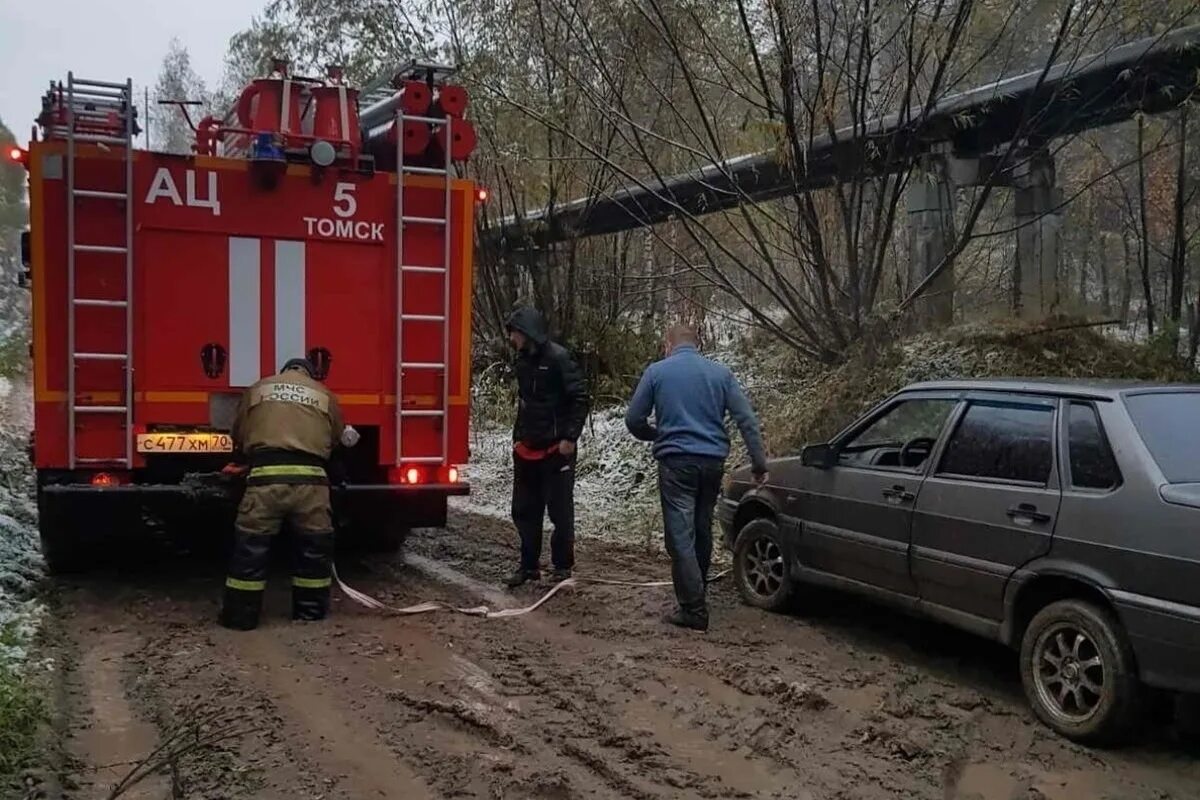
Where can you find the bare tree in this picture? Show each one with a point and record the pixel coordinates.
(811, 268)
(177, 81)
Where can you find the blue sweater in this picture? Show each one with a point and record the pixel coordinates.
(689, 395)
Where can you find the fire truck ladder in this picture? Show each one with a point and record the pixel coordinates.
(443, 318)
(88, 104)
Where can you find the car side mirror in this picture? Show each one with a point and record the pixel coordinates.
(820, 456)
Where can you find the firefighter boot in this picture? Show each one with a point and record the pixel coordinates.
(240, 609)
(311, 579)
(246, 582)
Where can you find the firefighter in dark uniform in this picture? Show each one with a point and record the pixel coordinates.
(287, 426)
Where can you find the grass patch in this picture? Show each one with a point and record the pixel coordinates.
(802, 402)
(22, 709)
(14, 353)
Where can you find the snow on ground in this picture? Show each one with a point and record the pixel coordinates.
(20, 560)
(616, 484)
(615, 479)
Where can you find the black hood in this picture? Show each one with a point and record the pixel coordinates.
(530, 322)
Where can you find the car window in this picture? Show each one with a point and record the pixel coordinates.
(1002, 441)
(1092, 462)
(917, 421)
(1167, 423)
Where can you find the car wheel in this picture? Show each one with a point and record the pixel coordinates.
(759, 566)
(1078, 671)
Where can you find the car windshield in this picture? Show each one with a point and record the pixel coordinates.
(1169, 424)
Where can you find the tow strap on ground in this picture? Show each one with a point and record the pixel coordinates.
(367, 601)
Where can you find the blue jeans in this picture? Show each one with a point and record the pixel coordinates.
(688, 486)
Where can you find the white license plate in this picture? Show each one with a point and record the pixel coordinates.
(184, 443)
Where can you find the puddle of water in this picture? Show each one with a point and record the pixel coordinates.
(1076, 786)
(692, 748)
(985, 782)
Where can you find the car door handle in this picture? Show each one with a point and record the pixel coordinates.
(898, 494)
(1028, 511)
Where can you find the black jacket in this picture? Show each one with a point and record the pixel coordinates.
(552, 397)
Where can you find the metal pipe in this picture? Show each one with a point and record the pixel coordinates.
(383, 111)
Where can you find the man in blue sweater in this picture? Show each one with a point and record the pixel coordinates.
(690, 395)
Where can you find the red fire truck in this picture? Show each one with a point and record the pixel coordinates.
(314, 220)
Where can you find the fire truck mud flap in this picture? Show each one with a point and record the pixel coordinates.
(379, 516)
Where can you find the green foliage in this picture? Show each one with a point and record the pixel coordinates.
(364, 36)
(612, 355)
(22, 710)
(811, 403)
(14, 353)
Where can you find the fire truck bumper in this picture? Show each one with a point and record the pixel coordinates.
(364, 506)
(355, 490)
(440, 489)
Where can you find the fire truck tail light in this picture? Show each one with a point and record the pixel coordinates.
(412, 475)
(16, 155)
(452, 475)
(105, 479)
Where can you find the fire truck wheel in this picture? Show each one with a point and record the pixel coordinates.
(62, 548)
(380, 538)
(386, 539)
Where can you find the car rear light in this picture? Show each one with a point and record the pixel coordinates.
(105, 479)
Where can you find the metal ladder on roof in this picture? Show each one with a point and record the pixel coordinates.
(403, 320)
(88, 103)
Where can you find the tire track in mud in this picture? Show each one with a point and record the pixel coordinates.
(857, 700)
(590, 697)
(115, 738)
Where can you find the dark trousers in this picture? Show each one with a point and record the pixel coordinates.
(689, 486)
(262, 513)
(539, 486)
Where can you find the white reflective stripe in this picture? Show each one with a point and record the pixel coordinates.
(245, 310)
(289, 301)
(285, 125)
(344, 108)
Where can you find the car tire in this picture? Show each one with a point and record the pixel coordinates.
(760, 567)
(1078, 671)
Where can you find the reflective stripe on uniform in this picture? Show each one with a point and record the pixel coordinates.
(312, 583)
(287, 471)
(245, 586)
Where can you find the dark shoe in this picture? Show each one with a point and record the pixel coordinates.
(309, 604)
(522, 577)
(560, 574)
(240, 610)
(688, 619)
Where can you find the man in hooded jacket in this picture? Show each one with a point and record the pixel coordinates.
(552, 407)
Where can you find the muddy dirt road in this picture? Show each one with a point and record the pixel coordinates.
(590, 697)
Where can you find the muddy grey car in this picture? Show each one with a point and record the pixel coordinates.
(1060, 518)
